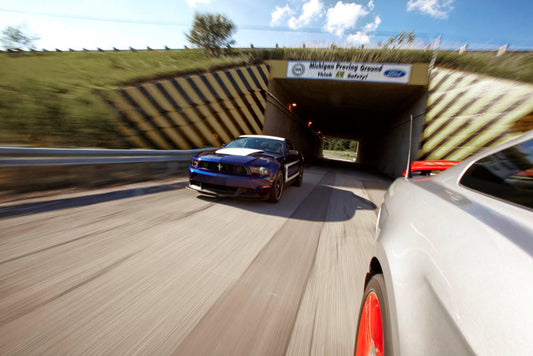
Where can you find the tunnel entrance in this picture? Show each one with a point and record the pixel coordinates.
(374, 113)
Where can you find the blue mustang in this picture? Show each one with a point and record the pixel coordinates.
(249, 166)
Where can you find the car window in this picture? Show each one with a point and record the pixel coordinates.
(506, 175)
(290, 146)
(258, 143)
(237, 143)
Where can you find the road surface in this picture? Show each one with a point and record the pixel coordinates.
(154, 268)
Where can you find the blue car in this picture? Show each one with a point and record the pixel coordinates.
(249, 166)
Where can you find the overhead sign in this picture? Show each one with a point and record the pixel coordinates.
(347, 71)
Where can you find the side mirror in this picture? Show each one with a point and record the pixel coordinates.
(293, 152)
(223, 145)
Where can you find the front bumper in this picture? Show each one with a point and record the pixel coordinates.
(224, 185)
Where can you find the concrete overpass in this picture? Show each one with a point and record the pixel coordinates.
(456, 113)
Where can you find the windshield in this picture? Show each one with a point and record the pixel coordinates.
(259, 143)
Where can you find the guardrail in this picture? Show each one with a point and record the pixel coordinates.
(10, 157)
(34, 169)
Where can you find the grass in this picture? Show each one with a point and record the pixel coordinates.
(512, 65)
(345, 55)
(55, 99)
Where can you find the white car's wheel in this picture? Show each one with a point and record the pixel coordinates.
(373, 329)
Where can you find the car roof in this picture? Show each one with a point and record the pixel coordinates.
(265, 136)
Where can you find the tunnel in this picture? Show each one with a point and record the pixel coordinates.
(376, 114)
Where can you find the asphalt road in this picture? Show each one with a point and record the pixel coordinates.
(154, 268)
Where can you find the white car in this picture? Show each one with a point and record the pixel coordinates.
(452, 272)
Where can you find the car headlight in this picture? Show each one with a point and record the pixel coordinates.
(259, 171)
(195, 163)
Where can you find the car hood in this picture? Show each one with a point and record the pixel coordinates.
(236, 156)
(237, 151)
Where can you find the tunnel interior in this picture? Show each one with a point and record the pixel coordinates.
(377, 115)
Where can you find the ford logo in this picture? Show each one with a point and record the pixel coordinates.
(394, 73)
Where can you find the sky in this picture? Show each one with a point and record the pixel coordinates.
(77, 24)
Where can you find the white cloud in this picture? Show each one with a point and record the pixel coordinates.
(346, 15)
(362, 37)
(192, 3)
(280, 12)
(359, 38)
(343, 16)
(310, 10)
(435, 8)
(372, 26)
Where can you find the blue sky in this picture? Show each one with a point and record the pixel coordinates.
(77, 24)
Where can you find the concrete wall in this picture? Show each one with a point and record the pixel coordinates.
(468, 112)
(464, 113)
(279, 121)
(386, 150)
(193, 111)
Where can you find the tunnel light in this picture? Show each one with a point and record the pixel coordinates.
(309, 123)
(293, 105)
(318, 133)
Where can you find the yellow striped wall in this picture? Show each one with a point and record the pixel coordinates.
(193, 111)
(467, 112)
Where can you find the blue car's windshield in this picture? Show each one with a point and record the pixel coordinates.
(259, 143)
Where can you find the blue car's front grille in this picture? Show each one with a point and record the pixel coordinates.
(225, 168)
(219, 188)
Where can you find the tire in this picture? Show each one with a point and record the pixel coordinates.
(277, 188)
(298, 182)
(373, 328)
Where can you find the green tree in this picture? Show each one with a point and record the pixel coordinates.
(211, 32)
(326, 143)
(13, 38)
(339, 145)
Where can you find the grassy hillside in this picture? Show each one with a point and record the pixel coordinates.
(54, 99)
